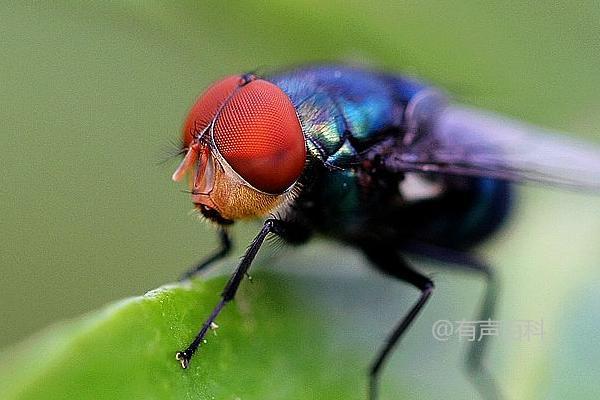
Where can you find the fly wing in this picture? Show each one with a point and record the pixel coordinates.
(470, 142)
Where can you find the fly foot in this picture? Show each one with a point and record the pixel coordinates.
(184, 358)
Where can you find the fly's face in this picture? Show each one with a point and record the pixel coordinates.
(244, 145)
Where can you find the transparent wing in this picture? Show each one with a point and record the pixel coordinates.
(475, 143)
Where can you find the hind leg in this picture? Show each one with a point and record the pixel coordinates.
(476, 370)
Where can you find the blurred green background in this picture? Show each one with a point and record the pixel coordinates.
(93, 94)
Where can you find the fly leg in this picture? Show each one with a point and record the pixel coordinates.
(476, 370)
(219, 254)
(270, 226)
(394, 265)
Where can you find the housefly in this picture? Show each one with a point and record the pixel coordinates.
(378, 161)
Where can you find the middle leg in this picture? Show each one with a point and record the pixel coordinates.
(475, 367)
(394, 265)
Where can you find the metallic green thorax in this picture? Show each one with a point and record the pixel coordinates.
(343, 110)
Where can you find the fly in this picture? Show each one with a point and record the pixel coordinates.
(377, 161)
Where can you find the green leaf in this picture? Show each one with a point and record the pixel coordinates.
(270, 345)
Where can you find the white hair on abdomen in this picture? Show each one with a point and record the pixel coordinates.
(415, 187)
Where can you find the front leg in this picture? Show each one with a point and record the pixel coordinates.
(222, 252)
(270, 226)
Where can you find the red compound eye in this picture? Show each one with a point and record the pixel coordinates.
(206, 107)
(259, 135)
